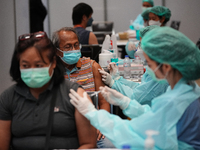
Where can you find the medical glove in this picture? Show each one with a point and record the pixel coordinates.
(114, 97)
(132, 46)
(113, 70)
(83, 104)
(106, 77)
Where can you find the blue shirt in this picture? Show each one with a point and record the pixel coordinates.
(189, 124)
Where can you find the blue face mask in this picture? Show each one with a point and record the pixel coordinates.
(89, 23)
(71, 57)
(35, 77)
(152, 74)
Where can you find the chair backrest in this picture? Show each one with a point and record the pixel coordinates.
(100, 26)
(175, 24)
(101, 29)
(94, 52)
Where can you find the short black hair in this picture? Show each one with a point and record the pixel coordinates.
(79, 11)
(41, 44)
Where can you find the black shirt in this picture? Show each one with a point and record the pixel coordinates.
(29, 116)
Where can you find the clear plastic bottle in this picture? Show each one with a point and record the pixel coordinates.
(127, 67)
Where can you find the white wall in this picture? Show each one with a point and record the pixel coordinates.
(188, 12)
(7, 41)
(122, 11)
(12, 24)
(61, 12)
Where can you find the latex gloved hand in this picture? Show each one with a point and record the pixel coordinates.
(83, 104)
(113, 70)
(114, 97)
(106, 77)
(132, 46)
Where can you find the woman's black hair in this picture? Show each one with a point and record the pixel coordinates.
(41, 44)
(160, 17)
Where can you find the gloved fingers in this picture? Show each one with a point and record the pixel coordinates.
(73, 103)
(110, 65)
(104, 76)
(103, 79)
(75, 94)
(110, 90)
(113, 65)
(85, 95)
(103, 92)
(131, 46)
(102, 71)
(73, 98)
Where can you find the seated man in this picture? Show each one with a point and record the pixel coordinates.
(82, 18)
(81, 70)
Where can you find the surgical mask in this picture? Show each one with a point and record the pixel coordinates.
(71, 57)
(144, 8)
(152, 22)
(89, 23)
(152, 74)
(36, 77)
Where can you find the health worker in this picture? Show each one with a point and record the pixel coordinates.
(143, 92)
(174, 114)
(159, 15)
(138, 23)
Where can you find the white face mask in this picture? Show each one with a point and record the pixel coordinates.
(151, 22)
(144, 8)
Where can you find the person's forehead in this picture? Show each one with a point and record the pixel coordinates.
(67, 36)
(152, 14)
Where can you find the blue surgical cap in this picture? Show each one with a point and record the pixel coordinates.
(149, 1)
(161, 11)
(143, 31)
(169, 46)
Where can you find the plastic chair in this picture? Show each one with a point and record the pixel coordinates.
(94, 52)
(175, 24)
(101, 29)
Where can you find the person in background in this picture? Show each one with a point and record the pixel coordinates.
(143, 92)
(82, 18)
(84, 71)
(145, 16)
(138, 23)
(174, 114)
(38, 13)
(25, 106)
(159, 15)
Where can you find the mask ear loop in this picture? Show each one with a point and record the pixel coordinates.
(158, 68)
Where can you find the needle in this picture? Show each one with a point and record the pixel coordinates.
(95, 93)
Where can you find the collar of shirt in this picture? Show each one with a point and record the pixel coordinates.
(78, 66)
(24, 90)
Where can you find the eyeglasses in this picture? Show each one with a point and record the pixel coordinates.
(39, 34)
(71, 47)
